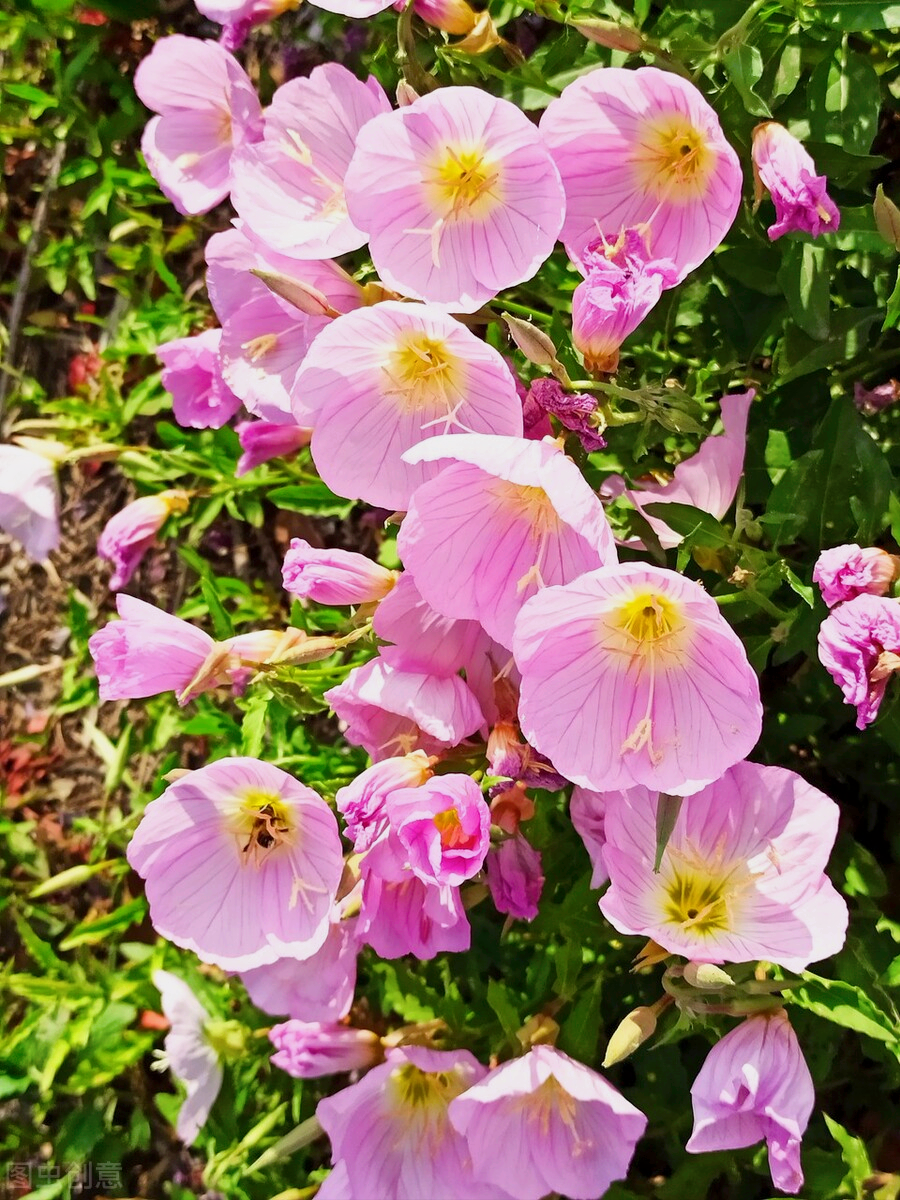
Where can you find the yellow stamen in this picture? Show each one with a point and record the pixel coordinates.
(673, 160)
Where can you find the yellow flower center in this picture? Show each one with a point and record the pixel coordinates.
(464, 183)
(425, 1092)
(649, 617)
(533, 503)
(453, 836)
(673, 160)
(262, 823)
(422, 370)
(697, 901)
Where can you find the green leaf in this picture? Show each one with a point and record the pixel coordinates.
(844, 100)
(500, 1000)
(101, 928)
(848, 1006)
(744, 65)
(312, 497)
(805, 277)
(698, 528)
(852, 16)
(855, 1156)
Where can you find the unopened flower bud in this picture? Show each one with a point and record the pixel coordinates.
(631, 1032)
(537, 347)
(887, 217)
(610, 34)
(302, 295)
(406, 94)
(334, 576)
(707, 976)
(308, 1049)
(539, 1030)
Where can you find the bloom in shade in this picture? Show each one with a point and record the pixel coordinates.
(458, 195)
(850, 570)
(631, 675)
(308, 1049)
(755, 1086)
(588, 812)
(207, 107)
(620, 287)
(189, 1053)
(241, 864)
(201, 399)
(406, 916)
(859, 647)
(333, 576)
(514, 876)
(289, 188)
(392, 1134)
(643, 148)
(378, 381)
(363, 803)
(129, 534)
(318, 988)
(389, 711)
(573, 410)
(29, 501)
(505, 517)
(262, 441)
(782, 167)
(872, 400)
(743, 874)
(547, 1123)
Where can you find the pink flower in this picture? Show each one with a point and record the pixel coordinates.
(458, 195)
(631, 675)
(514, 877)
(755, 1086)
(392, 1133)
(262, 441)
(643, 148)
(189, 1053)
(241, 864)
(847, 571)
(353, 8)
(573, 410)
(264, 336)
(239, 16)
(333, 576)
(425, 640)
(407, 916)
(388, 710)
(307, 1050)
(129, 534)
(620, 287)
(452, 16)
(439, 830)
(588, 812)
(872, 400)
(381, 380)
(709, 479)
(191, 372)
(318, 988)
(289, 189)
(783, 168)
(29, 501)
(859, 647)
(742, 877)
(208, 107)
(545, 1123)
(507, 517)
(363, 803)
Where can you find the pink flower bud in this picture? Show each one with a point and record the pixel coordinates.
(128, 535)
(333, 576)
(847, 571)
(785, 169)
(514, 877)
(261, 440)
(307, 1050)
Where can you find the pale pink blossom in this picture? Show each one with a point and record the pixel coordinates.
(333, 576)
(318, 988)
(309, 1049)
(207, 108)
(504, 518)
(381, 380)
(859, 647)
(785, 169)
(201, 399)
(289, 189)
(587, 810)
(458, 195)
(408, 916)
(29, 501)
(755, 1086)
(353, 8)
(390, 711)
(630, 675)
(424, 639)
(239, 16)
(241, 864)
(130, 533)
(850, 570)
(742, 877)
(544, 1123)
(263, 440)
(642, 149)
(514, 876)
(392, 1134)
(188, 1053)
(364, 802)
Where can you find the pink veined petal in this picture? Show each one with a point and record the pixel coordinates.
(188, 159)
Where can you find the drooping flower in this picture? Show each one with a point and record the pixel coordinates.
(207, 108)
(742, 877)
(318, 988)
(458, 195)
(363, 803)
(389, 711)
(29, 501)
(265, 336)
(631, 675)
(859, 647)
(573, 410)
(545, 1123)
(588, 812)
(189, 1053)
(201, 399)
(505, 518)
(241, 864)
(263, 440)
(785, 169)
(333, 576)
(309, 1049)
(621, 285)
(289, 189)
(514, 876)
(643, 149)
(392, 1134)
(129, 534)
(755, 1086)
(407, 916)
(850, 570)
(424, 639)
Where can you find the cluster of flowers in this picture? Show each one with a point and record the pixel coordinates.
(514, 642)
